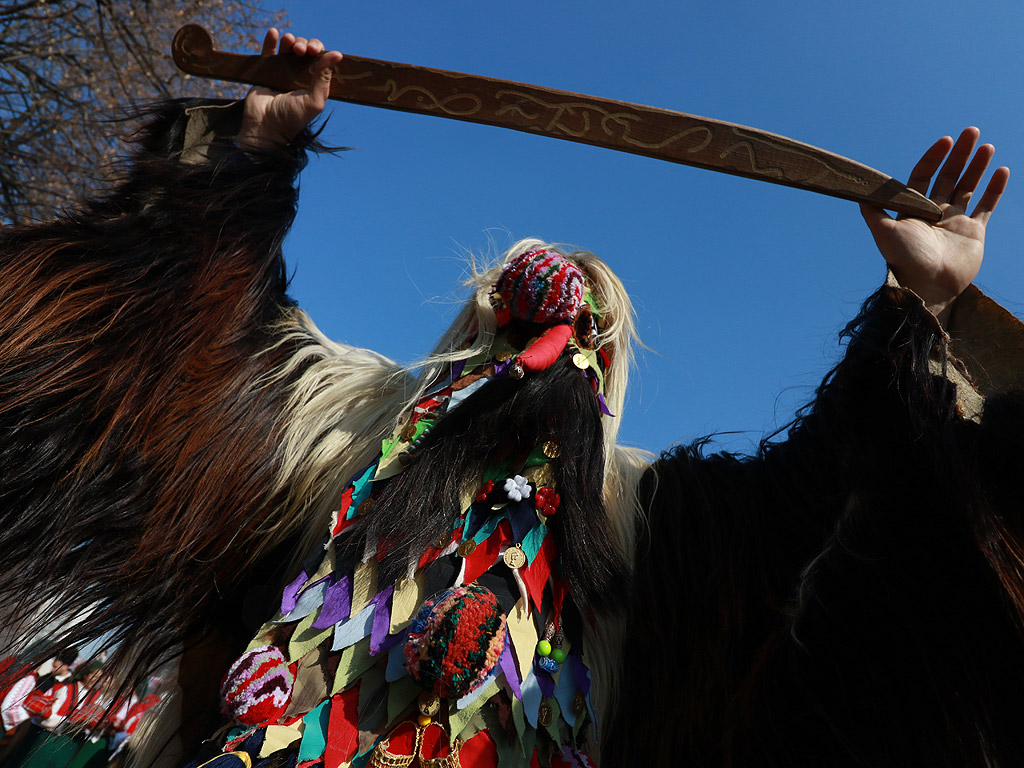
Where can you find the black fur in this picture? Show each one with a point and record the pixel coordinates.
(845, 597)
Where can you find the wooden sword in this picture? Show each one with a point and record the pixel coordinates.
(650, 131)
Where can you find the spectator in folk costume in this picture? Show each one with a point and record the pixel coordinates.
(142, 704)
(36, 704)
(490, 578)
(99, 716)
(70, 744)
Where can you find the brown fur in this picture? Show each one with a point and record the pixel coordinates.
(136, 343)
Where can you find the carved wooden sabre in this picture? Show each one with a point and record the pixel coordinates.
(659, 133)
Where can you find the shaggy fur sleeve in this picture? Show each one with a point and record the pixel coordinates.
(139, 439)
(851, 595)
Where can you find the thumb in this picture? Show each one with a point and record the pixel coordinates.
(320, 88)
(876, 218)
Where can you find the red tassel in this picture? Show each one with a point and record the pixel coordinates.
(544, 351)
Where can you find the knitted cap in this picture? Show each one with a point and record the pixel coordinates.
(542, 287)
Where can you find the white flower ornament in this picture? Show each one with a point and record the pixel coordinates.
(517, 488)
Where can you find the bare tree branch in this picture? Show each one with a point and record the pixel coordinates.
(60, 92)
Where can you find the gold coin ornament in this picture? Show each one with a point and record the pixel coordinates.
(545, 714)
(580, 361)
(579, 702)
(514, 557)
(367, 506)
(429, 704)
(467, 548)
(551, 449)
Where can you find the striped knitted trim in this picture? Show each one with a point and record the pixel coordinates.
(257, 687)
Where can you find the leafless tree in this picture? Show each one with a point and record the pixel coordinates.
(70, 68)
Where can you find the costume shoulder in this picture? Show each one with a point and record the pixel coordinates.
(848, 596)
(148, 362)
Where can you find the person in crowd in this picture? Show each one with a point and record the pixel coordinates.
(37, 704)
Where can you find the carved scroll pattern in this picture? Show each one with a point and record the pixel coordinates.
(577, 119)
(813, 169)
(583, 121)
(459, 105)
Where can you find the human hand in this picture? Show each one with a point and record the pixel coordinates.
(273, 118)
(939, 260)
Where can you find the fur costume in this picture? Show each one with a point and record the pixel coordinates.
(181, 433)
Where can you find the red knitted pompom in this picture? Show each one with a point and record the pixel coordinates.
(542, 287)
(257, 688)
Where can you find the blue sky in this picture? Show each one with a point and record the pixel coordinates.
(741, 287)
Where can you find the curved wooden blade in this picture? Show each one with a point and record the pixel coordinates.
(659, 133)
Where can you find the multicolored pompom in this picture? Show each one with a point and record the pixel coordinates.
(456, 640)
(542, 287)
(257, 688)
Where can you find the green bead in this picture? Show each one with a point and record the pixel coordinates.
(558, 655)
(543, 648)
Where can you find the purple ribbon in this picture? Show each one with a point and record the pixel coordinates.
(381, 619)
(337, 603)
(508, 668)
(290, 596)
(392, 640)
(580, 674)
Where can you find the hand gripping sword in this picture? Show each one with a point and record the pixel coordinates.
(658, 133)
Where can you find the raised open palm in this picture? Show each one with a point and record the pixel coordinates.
(939, 260)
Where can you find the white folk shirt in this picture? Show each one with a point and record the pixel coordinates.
(13, 712)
